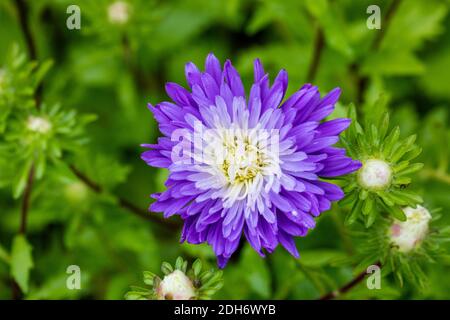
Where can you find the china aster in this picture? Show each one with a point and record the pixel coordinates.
(250, 166)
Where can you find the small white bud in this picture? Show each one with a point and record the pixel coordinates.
(118, 12)
(38, 124)
(375, 174)
(406, 235)
(175, 286)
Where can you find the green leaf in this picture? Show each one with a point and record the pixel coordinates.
(392, 63)
(148, 277)
(320, 257)
(21, 179)
(4, 256)
(179, 263)
(384, 125)
(390, 141)
(402, 148)
(402, 34)
(21, 261)
(412, 197)
(370, 218)
(410, 169)
(258, 275)
(197, 267)
(396, 212)
(329, 17)
(166, 268)
(354, 213)
(368, 206)
(350, 198)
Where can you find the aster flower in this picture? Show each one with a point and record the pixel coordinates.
(246, 165)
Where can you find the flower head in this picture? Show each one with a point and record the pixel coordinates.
(118, 12)
(176, 286)
(382, 183)
(406, 235)
(38, 124)
(246, 165)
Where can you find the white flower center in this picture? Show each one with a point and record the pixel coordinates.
(176, 286)
(375, 174)
(38, 124)
(406, 235)
(243, 162)
(118, 12)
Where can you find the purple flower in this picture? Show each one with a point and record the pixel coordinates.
(251, 165)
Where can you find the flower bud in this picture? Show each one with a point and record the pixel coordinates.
(406, 235)
(38, 124)
(375, 174)
(118, 12)
(76, 192)
(175, 286)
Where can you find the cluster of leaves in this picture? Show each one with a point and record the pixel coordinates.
(35, 138)
(31, 136)
(19, 80)
(206, 283)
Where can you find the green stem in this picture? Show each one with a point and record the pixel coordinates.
(436, 175)
(350, 285)
(363, 81)
(170, 224)
(319, 44)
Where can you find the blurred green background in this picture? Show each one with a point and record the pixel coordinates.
(119, 61)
